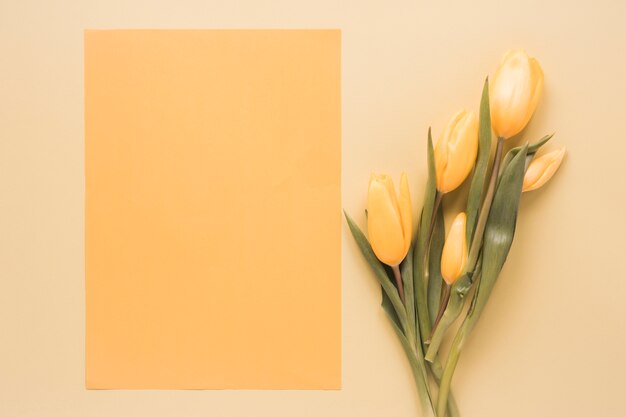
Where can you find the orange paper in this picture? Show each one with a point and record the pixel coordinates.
(213, 212)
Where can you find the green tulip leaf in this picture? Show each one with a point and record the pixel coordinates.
(406, 270)
(421, 246)
(499, 230)
(394, 308)
(479, 177)
(381, 275)
(498, 237)
(435, 280)
(532, 150)
(391, 312)
(418, 368)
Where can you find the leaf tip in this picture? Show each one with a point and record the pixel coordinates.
(348, 219)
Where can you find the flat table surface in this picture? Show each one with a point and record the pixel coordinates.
(552, 337)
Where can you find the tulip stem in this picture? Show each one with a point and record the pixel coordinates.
(451, 313)
(477, 240)
(398, 277)
(437, 371)
(453, 356)
(446, 378)
(445, 297)
(418, 368)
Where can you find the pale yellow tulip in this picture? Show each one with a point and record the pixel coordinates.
(454, 255)
(389, 221)
(542, 169)
(514, 93)
(455, 152)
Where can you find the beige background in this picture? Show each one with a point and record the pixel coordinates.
(552, 339)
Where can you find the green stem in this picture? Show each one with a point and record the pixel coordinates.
(419, 373)
(453, 359)
(437, 371)
(455, 351)
(398, 278)
(452, 312)
(457, 345)
(444, 303)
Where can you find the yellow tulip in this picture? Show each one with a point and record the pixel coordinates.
(542, 169)
(454, 255)
(514, 93)
(455, 152)
(389, 219)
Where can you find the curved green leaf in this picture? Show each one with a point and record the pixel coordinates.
(388, 307)
(500, 228)
(421, 246)
(437, 371)
(395, 310)
(406, 270)
(435, 280)
(532, 150)
(379, 272)
(419, 373)
(499, 233)
(479, 178)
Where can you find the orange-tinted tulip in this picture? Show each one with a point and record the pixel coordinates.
(542, 169)
(514, 93)
(389, 219)
(454, 255)
(455, 152)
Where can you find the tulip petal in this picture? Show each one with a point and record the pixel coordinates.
(383, 222)
(513, 92)
(441, 152)
(406, 211)
(467, 146)
(537, 84)
(454, 255)
(388, 182)
(542, 169)
(455, 152)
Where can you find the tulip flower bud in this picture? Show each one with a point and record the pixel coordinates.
(389, 221)
(542, 169)
(455, 152)
(454, 255)
(514, 93)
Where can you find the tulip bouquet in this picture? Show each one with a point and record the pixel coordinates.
(427, 278)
